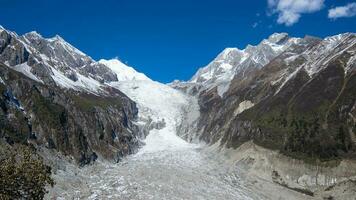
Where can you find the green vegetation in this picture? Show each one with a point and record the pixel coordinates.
(51, 114)
(23, 175)
(312, 124)
(88, 102)
(304, 137)
(16, 130)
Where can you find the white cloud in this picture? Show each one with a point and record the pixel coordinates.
(348, 10)
(254, 25)
(289, 11)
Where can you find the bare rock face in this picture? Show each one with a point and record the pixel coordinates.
(12, 50)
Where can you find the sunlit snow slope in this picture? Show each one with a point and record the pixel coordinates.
(160, 103)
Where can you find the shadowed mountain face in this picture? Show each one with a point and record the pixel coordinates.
(299, 99)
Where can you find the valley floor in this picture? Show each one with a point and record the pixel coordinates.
(184, 172)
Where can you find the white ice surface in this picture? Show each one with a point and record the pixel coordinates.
(26, 70)
(82, 84)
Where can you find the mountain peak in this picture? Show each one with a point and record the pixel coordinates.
(232, 61)
(56, 38)
(123, 72)
(33, 34)
(277, 37)
(339, 36)
(229, 53)
(230, 49)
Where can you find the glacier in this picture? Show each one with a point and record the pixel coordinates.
(166, 167)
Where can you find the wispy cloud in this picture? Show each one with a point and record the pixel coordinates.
(348, 10)
(254, 25)
(290, 11)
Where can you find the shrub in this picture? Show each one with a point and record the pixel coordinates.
(23, 175)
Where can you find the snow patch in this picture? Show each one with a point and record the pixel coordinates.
(44, 57)
(62, 80)
(221, 89)
(26, 70)
(247, 104)
(351, 63)
(288, 78)
(83, 83)
(226, 66)
(2, 81)
(291, 58)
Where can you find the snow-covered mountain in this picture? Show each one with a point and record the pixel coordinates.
(55, 61)
(65, 99)
(233, 61)
(259, 94)
(294, 95)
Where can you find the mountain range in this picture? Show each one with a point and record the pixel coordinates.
(296, 96)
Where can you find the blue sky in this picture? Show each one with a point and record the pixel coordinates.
(171, 39)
